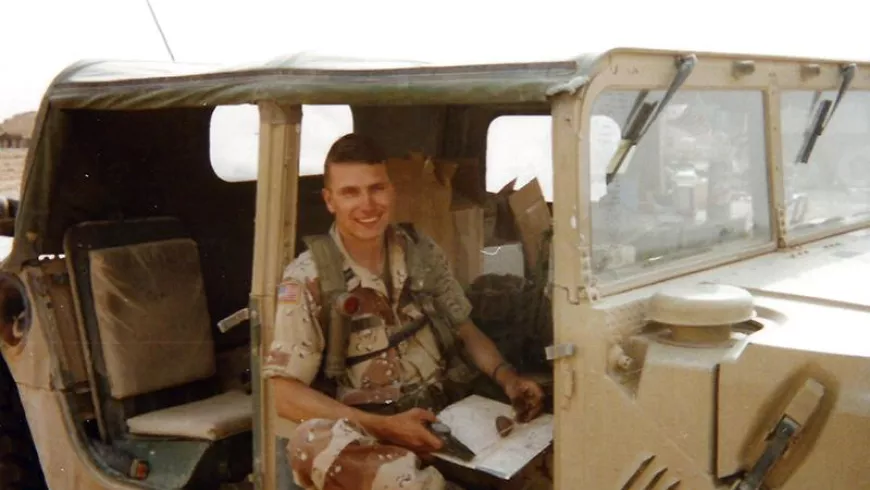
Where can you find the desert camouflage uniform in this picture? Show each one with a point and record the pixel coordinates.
(327, 454)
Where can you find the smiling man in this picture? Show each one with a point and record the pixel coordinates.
(369, 328)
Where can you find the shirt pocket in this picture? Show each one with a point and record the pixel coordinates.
(368, 334)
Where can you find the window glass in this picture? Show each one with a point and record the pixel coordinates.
(833, 188)
(696, 183)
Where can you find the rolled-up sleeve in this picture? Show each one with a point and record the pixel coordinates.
(298, 346)
(449, 295)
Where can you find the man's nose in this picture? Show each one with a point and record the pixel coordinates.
(369, 203)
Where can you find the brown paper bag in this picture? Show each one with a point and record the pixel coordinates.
(533, 219)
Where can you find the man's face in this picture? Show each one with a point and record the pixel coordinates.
(361, 197)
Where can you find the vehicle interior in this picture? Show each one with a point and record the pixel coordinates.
(152, 248)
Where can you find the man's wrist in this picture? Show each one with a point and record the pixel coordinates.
(370, 422)
(503, 374)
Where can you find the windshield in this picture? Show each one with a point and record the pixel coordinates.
(695, 184)
(833, 187)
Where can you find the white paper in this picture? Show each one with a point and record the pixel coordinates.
(472, 422)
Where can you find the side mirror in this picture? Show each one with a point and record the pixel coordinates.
(8, 212)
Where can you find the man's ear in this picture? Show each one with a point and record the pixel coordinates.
(327, 198)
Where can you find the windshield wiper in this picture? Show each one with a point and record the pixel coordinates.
(825, 113)
(644, 114)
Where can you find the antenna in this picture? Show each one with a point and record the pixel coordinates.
(159, 29)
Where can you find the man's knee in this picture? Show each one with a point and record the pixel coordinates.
(342, 453)
(315, 447)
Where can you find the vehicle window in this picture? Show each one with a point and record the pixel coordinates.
(235, 131)
(520, 147)
(833, 187)
(696, 183)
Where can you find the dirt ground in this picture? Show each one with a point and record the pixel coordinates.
(11, 167)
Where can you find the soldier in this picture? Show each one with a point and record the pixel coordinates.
(370, 334)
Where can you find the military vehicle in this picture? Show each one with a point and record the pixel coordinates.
(709, 250)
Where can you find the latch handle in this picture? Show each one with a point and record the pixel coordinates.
(800, 409)
(234, 320)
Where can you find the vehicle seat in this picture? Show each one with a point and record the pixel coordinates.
(143, 305)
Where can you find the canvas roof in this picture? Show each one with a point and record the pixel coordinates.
(306, 78)
(309, 80)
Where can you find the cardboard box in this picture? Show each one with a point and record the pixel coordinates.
(424, 195)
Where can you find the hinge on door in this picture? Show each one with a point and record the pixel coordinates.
(567, 385)
(582, 285)
(782, 224)
(559, 351)
(581, 293)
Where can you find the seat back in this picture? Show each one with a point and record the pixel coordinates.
(142, 301)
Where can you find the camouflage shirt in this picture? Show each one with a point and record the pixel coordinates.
(298, 346)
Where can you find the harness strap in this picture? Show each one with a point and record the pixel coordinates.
(409, 229)
(419, 264)
(329, 261)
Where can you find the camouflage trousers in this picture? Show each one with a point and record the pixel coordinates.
(337, 454)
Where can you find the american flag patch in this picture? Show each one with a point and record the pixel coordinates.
(289, 292)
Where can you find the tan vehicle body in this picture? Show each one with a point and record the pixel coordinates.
(635, 407)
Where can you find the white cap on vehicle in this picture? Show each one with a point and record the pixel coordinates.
(701, 305)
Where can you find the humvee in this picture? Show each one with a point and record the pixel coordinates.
(708, 253)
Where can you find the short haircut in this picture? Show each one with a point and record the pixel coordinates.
(353, 148)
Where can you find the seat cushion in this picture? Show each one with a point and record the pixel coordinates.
(210, 419)
(151, 312)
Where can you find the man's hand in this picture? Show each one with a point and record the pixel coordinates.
(410, 430)
(526, 396)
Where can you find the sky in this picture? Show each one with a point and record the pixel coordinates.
(41, 37)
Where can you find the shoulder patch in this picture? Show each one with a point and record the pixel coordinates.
(301, 268)
(289, 292)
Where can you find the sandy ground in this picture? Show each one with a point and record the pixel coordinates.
(11, 167)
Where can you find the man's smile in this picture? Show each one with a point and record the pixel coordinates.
(369, 221)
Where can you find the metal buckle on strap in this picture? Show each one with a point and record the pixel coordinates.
(395, 339)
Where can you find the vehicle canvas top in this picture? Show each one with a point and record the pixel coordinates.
(113, 85)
